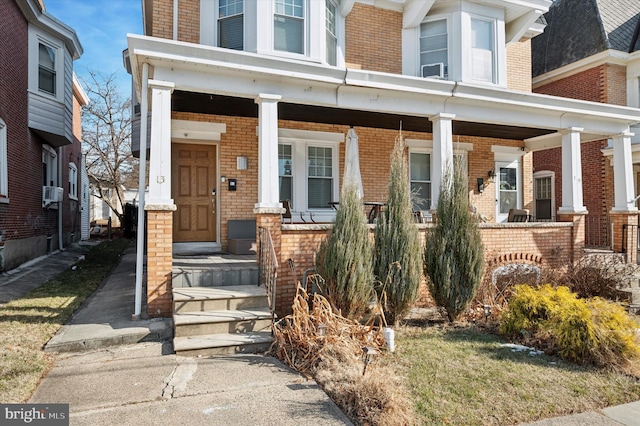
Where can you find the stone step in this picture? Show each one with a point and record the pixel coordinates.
(223, 344)
(198, 299)
(214, 276)
(222, 321)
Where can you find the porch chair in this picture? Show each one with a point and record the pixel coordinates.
(286, 204)
(518, 215)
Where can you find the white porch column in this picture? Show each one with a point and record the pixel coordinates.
(442, 153)
(572, 201)
(160, 159)
(268, 189)
(623, 174)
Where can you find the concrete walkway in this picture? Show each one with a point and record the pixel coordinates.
(127, 372)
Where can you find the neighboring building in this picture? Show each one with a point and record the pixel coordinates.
(40, 153)
(590, 50)
(250, 101)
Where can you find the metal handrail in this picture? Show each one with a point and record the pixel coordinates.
(268, 268)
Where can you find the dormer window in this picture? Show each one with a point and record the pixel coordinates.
(289, 26)
(482, 50)
(47, 69)
(434, 49)
(231, 24)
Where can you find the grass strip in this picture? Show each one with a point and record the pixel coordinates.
(463, 376)
(27, 324)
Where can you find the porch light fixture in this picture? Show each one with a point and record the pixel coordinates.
(368, 354)
(491, 175)
(487, 312)
(241, 163)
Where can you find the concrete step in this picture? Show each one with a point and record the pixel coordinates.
(222, 321)
(198, 299)
(216, 275)
(222, 344)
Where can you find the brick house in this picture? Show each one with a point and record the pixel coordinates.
(246, 104)
(40, 132)
(590, 50)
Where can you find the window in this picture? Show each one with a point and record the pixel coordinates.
(332, 39)
(285, 171)
(73, 181)
(49, 166)
(3, 160)
(420, 180)
(47, 69)
(289, 26)
(482, 50)
(543, 194)
(320, 180)
(434, 51)
(231, 24)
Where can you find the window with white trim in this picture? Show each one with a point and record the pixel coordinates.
(331, 30)
(4, 182)
(434, 49)
(47, 68)
(231, 24)
(320, 177)
(73, 181)
(289, 26)
(483, 50)
(49, 166)
(420, 180)
(285, 172)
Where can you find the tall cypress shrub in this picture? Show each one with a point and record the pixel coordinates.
(344, 259)
(453, 256)
(397, 251)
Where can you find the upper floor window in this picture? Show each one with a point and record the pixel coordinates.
(47, 69)
(73, 181)
(331, 29)
(434, 49)
(289, 26)
(482, 50)
(3, 160)
(231, 24)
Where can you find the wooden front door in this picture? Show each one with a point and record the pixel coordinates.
(193, 177)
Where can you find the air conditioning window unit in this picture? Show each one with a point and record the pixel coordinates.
(432, 70)
(51, 194)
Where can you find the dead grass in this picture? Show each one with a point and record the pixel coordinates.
(27, 324)
(462, 376)
(334, 358)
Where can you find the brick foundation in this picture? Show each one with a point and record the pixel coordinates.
(159, 263)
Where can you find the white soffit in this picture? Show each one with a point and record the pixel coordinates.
(197, 130)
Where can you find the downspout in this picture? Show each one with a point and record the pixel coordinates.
(141, 188)
(60, 203)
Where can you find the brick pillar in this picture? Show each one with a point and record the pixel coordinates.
(577, 234)
(271, 219)
(630, 234)
(159, 262)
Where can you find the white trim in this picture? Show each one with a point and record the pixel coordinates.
(4, 178)
(507, 153)
(197, 130)
(458, 147)
(308, 135)
(73, 181)
(37, 37)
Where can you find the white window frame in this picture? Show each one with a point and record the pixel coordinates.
(494, 50)
(300, 140)
(333, 34)
(218, 19)
(446, 71)
(4, 176)
(291, 175)
(50, 158)
(430, 153)
(305, 28)
(35, 39)
(73, 181)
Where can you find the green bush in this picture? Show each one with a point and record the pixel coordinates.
(397, 255)
(593, 331)
(453, 256)
(344, 259)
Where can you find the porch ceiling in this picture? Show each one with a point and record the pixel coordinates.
(204, 103)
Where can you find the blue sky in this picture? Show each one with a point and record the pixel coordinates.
(102, 27)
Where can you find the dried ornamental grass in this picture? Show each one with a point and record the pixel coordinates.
(334, 358)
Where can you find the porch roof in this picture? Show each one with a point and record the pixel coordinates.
(382, 99)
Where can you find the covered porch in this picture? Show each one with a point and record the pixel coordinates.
(256, 113)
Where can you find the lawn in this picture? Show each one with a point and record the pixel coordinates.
(27, 324)
(463, 376)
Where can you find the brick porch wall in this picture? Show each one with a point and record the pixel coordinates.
(540, 243)
(159, 263)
